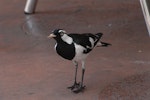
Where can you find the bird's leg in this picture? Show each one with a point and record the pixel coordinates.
(83, 71)
(75, 85)
(81, 87)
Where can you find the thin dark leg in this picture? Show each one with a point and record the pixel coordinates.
(81, 87)
(75, 85)
(83, 71)
(76, 64)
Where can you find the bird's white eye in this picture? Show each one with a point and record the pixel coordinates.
(62, 32)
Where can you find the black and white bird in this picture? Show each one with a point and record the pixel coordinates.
(76, 47)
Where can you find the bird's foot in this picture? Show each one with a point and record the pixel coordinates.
(75, 85)
(79, 89)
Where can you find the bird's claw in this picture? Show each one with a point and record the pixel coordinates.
(77, 87)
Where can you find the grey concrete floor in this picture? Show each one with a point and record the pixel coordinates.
(31, 70)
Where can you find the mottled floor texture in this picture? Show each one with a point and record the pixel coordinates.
(31, 70)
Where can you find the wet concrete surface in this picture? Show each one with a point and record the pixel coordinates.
(31, 70)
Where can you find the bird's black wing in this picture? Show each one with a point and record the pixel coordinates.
(84, 40)
(81, 39)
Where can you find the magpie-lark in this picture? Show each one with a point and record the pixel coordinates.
(76, 47)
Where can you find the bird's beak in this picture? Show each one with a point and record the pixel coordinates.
(51, 36)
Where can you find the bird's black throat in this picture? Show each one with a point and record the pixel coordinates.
(65, 50)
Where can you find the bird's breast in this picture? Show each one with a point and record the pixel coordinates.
(65, 50)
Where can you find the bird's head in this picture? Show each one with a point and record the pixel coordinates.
(57, 33)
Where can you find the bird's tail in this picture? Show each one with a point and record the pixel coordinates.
(100, 43)
(103, 44)
(99, 35)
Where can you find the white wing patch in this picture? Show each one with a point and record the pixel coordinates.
(92, 42)
(67, 39)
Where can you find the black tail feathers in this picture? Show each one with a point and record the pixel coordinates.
(99, 35)
(104, 44)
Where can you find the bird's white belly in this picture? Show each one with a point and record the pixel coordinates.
(79, 56)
